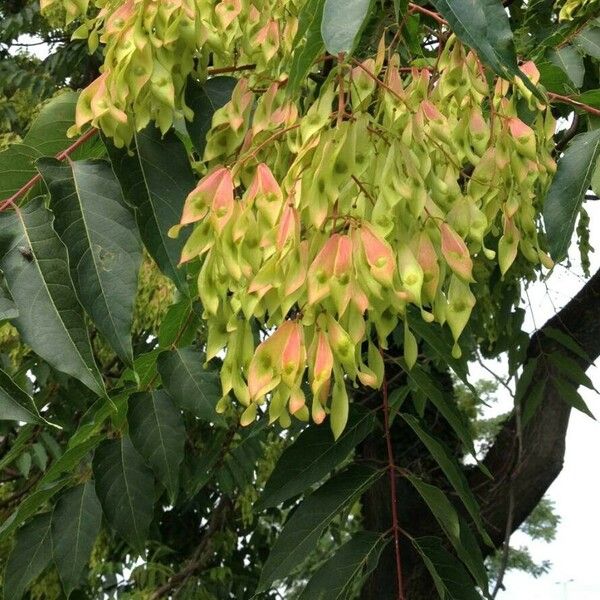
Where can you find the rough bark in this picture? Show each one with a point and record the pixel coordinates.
(542, 454)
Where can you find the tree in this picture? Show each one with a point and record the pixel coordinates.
(244, 272)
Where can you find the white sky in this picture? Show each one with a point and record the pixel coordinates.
(574, 553)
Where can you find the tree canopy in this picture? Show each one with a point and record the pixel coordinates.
(248, 251)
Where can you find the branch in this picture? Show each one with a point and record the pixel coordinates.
(571, 101)
(202, 553)
(543, 439)
(60, 156)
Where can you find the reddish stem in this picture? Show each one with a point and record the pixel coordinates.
(425, 11)
(393, 494)
(573, 102)
(60, 156)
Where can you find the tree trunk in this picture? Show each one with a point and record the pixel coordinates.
(542, 454)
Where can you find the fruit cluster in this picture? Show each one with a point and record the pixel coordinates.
(323, 215)
(316, 228)
(151, 46)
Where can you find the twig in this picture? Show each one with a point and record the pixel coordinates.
(201, 554)
(572, 102)
(393, 493)
(60, 156)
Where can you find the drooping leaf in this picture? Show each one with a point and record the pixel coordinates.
(451, 580)
(589, 41)
(446, 405)
(30, 505)
(46, 137)
(460, 537)
(304, 528)
(564, 339)
(205, 100)
(30, 555)
(569, 394)
(156, 181)
(312, 456)
(157, 431)
(16, 404)
(451, 469)
(180, 323)
(570, 370)
(70, 459)
(125, 488)
(484, 26)
(17, 445)
(570, 61)
(76, 522)
(104, 250)
(239, 466)
(342, 22)
(434, 337)
(50, 321)
(567, 190)
(191, 386)
(335, 579)
(308, 44)
(8, 309)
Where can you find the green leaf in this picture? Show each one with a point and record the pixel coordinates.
(191, 386)
(157, 431)
(554, 79)
(51, 320)
(434, 337)
(8, 309)
(531, 402)
(335, 579)
(460, 537)
(104, 250)
(449, 576)
(589, 41)
(570, 61)
(304, 528)
(180, 323)
(567, 190)
(571, 370)
(446, 405)
(30, 555)
(308, 44)
(47, 136)
(342, 22)
(312, 456)
(125, 487)
(17, 445)
(595, 183)
(452, 470)
(76, 522)
(568, 392)
(30, 506)
(156, 181)
(16, 404)
(70, 459)
(484, 26)
(564, 339)
(205, 100)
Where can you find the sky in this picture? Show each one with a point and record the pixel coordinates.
(576, 492)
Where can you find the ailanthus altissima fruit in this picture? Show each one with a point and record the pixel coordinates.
(318, 221)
